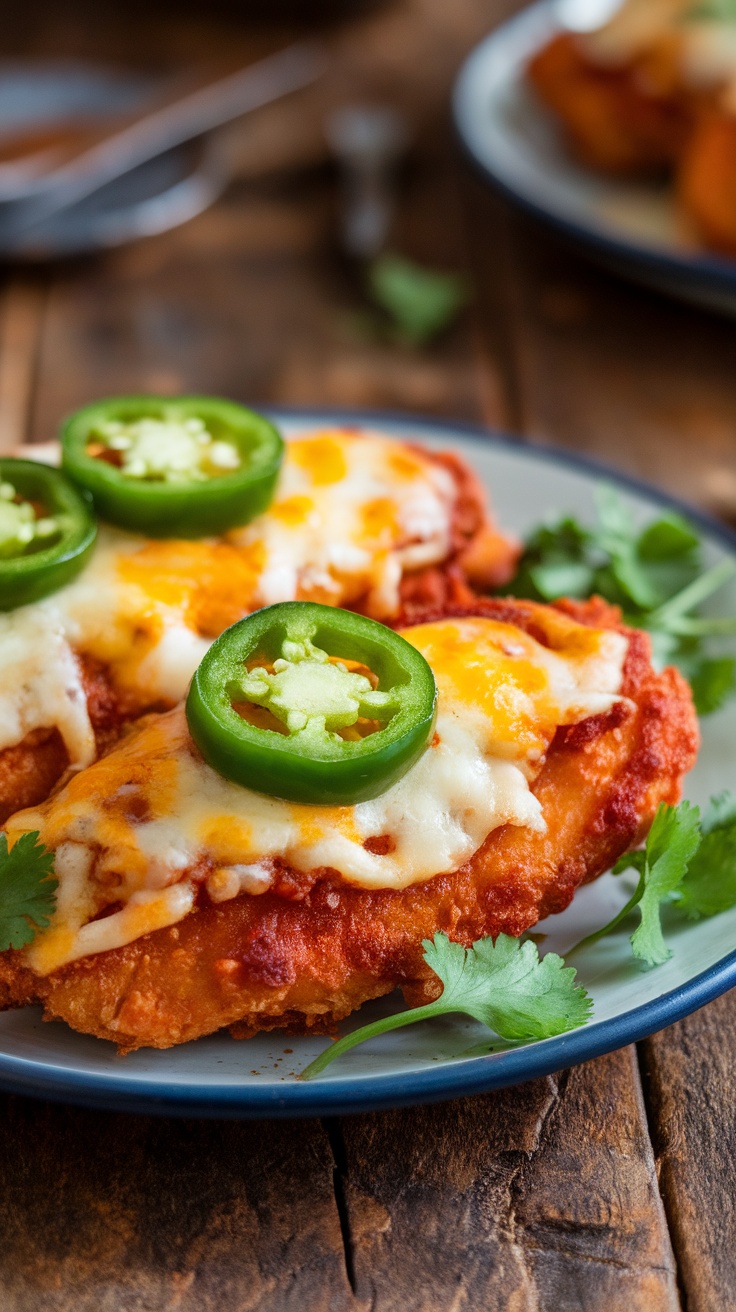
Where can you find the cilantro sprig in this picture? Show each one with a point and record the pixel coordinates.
(505, 985)
(655, 575)
(419, 302)
(689, 863)
(673, 840)
(27, 890)
(709, 886)
(717, 11)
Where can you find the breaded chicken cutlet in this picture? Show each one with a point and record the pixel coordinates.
(187, 904)
(360, 519)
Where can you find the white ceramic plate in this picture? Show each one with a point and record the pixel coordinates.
(633, 228)
(218, 1076)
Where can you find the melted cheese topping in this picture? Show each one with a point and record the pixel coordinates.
(353, 512)
(41, 684)
(160, 821)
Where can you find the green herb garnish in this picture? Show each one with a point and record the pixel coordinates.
(673, 840)
(712, 11)
(420, 302)
(504, 985)
(27, 890)
(687, 862)
(655, 575)
(709, 886)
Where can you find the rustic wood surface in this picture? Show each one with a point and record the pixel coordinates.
(609, 1188)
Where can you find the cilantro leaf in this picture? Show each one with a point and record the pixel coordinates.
(709, 886)
(718, 11)
(713, 681)
(27, 890)
(672, 843)
(419, 301)
(720, 814)
(673, 840)
(655, 575)
(504, 985)
(507, 987)
(617, 539)
(688, 862)
(668, 537)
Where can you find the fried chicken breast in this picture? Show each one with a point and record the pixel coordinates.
(306, 946)
(706, 181)
(127, 636)
(616, 119)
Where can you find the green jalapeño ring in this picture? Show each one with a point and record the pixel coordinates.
(312, 704)
(173, 467)
(47, 531)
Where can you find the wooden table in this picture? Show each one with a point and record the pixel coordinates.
(610, 1186)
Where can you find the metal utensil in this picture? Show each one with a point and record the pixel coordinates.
(167, 126)
(368, 141)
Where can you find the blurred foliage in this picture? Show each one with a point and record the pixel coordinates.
(419, 303)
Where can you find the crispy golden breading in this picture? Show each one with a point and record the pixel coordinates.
(313, 949)
(706, 181)
(613, 122)
(479, 558)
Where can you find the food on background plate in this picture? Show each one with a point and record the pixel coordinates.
(187, 902)
(355, 518)
(653, 91)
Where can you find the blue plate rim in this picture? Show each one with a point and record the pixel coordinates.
(455, 1078)
(711, 271)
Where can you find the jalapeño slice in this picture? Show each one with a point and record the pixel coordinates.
(184, 466)
(47, 531)
(312, 704)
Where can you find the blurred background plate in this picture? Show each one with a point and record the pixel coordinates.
(157, 195)
(154, 197)
(632, 228)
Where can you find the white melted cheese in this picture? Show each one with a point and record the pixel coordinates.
(159, 820)
(40, 685)
(101, 615)
(353, 512)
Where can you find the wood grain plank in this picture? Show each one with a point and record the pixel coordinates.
(534, 1199)
(105, 1213)
(250, 300)
(689, 1079)
(606, 368)
(406, 52)
(21, 312)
